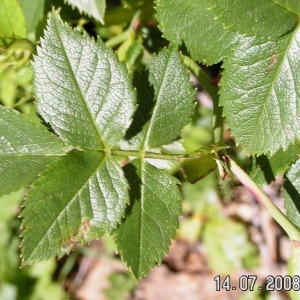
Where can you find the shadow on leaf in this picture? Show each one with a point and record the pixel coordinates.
(145, 102)
(266, 168)
(134, 181)
(293, 194)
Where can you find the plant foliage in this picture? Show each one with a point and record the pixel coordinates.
(292, 192)
(25, 150)
(95, 165)
(12, 20)
(260, 84)
(90, 107)
(94, 8)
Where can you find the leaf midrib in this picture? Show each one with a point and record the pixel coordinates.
(141, 227)
(67, 60)
(97, 168)
(273, 83)
(153, 115)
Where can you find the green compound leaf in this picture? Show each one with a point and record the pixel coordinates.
(85, 94)
(80, 196)
(151, 219)
(292, 5)
(94, 8)
(254, 17)
(292, 193)
(12, 20)
(165, 104)
(82, 89)
(261, 91)
(25, 150)
(265, 169)
(194, 23)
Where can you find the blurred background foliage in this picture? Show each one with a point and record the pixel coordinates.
(131, 30)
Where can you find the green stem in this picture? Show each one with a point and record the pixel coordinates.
(218, 123)
(212, 90)
(204, 80)
(165, 156)
(262, 198)
(124, 35)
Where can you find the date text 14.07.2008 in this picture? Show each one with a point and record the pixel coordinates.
(247, 283)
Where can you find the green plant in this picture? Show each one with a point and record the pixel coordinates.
(98, 164)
